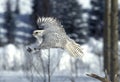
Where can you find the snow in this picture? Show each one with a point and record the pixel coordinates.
(11, 55)
(85, 16)
(89, 63)
(9, 76)
(26, 6)
(85, 4)
(19, 76)
(119, 3)
(3, 6)
(65, 61)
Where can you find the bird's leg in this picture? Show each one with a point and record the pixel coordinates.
(29, 49)
(37, 49)
(33, 49)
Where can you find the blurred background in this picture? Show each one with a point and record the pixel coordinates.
(83, 21)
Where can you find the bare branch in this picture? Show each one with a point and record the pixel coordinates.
(99, 77)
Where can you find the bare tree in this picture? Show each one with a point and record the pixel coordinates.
(102, 79)
(42, 67)
(51, 69)
(111, 39)
(114, 41)
(41, 8)
(48, 66)
(107, 38)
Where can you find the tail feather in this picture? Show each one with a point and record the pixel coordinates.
(74, 49)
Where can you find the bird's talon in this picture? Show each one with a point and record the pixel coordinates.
(35, 48)
(29, 49)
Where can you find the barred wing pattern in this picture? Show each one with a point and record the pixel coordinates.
(54, 36)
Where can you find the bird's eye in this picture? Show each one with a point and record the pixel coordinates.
(36, 32)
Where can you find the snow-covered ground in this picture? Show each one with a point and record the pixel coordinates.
(10, 76)
(91, 62)
(20, 76)
(14, 58)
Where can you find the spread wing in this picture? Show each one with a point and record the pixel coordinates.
(48, 22)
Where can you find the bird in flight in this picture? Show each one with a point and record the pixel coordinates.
(53, 35)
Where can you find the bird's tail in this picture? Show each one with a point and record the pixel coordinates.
(74, 49)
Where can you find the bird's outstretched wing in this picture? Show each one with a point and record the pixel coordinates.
(73, 48)
(48, 22)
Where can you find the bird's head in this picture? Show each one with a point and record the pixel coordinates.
(38, 33)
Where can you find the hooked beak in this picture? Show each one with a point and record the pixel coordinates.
(34, 34)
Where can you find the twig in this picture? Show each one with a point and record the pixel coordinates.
(102, 79)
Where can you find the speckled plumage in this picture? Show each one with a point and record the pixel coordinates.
(54, 36)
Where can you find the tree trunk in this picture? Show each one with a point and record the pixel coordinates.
(107, 41)
(41, 8)
(114, 41)
(49, 72)
(46, 6)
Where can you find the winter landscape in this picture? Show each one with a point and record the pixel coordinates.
(83, 21)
